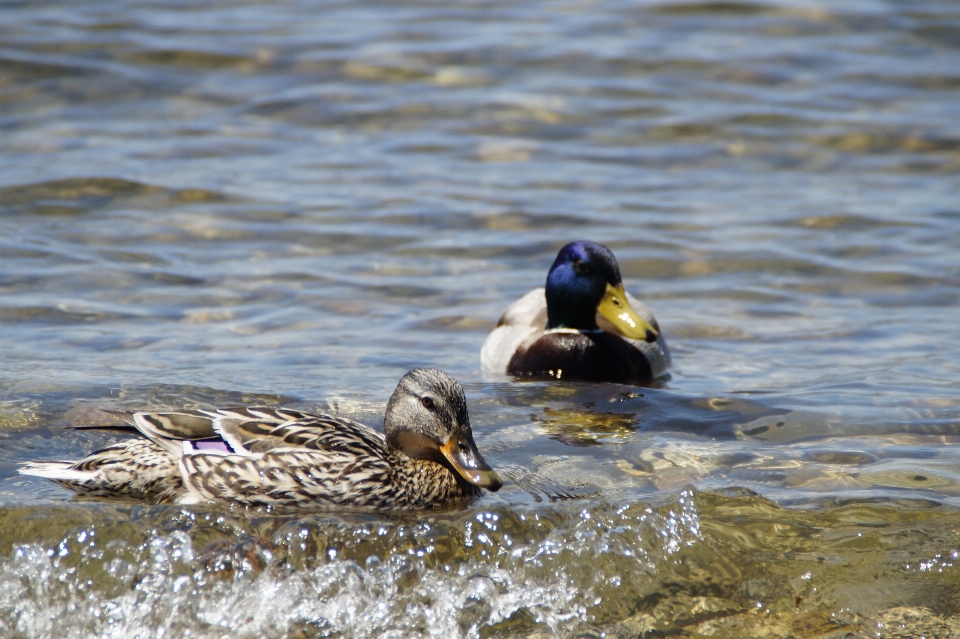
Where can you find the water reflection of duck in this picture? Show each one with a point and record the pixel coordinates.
(266, 456)
(583, 325)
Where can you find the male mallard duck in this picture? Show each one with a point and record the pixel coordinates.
(266, 456)
(582, 325)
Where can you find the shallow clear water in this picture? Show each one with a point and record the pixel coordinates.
(295, 203)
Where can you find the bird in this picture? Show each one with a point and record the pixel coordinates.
(261, 456)
(583, 325)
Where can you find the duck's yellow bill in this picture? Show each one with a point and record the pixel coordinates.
(471, 466)
(615, 308)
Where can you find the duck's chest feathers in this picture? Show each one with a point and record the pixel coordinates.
(592, 355)
(424, 483)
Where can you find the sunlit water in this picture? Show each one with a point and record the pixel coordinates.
(295, 203)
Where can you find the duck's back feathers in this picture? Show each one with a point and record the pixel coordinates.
(521, 344)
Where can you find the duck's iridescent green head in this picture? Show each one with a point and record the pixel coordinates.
(585, 280)
(427, 418)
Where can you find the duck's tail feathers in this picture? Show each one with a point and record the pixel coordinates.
(134, 467)
(58, 471)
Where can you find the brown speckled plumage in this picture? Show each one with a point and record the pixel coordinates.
(266, 456)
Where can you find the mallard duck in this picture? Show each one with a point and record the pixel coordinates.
(268, 456)
(582, 325)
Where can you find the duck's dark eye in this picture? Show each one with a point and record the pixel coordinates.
(581, 267)
(427, 402)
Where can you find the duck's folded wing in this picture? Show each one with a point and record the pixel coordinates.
(171, 429)
(255, 430)
(264, 414)
(308, 432)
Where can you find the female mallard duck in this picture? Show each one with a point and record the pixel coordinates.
(582, 325)
(266, 456)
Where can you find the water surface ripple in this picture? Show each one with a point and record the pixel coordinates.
(295, 203)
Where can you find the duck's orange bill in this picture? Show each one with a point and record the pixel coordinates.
(467, 461)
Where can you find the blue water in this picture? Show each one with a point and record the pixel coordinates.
(295, 203)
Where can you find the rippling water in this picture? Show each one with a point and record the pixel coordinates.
(294, 203)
